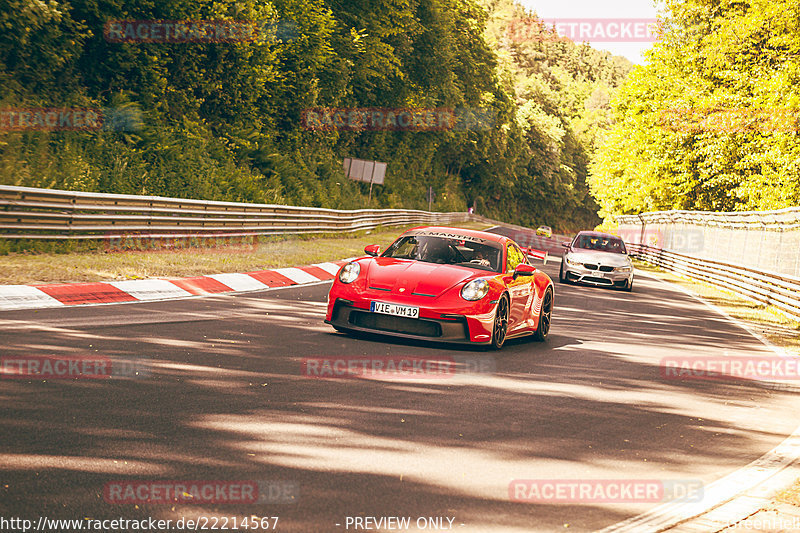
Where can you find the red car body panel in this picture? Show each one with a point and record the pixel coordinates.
(436, 290)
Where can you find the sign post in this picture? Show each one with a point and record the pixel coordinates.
(373, 172)
(371, 178)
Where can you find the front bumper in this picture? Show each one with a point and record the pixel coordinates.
(432, 325)
(596, 276)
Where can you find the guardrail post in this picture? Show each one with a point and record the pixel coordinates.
(797, 262)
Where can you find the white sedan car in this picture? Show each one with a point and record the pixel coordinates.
(597, 259)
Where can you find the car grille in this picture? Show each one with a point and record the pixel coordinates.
(601, 268)
(398, 324)
(600, 281)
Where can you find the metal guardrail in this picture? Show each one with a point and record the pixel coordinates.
(778, 220)
(779, 290)
(755, 254)
(766, 241)
(31, 213)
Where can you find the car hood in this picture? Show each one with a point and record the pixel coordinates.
(416, 277)
(599, 258)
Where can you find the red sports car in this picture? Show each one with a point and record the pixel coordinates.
(444, 284)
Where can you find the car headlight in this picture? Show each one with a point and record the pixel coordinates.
(623, 269)
(349, 272)
(475, 290)
(572, 262)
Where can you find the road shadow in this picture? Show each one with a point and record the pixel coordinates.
(226, 399)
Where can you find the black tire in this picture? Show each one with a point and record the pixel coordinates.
(561, 278)
(628, 286)
(500, 325)
(545, 315)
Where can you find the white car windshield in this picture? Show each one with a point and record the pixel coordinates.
(599, 243)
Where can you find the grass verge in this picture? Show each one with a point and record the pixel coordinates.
(113, 265)
(790, 495)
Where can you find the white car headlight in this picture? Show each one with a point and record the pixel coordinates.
(349, 272)
(572, 262)
(623, 269)
(475, 290)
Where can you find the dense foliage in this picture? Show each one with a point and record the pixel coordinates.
(562, 92)
(710, 123)
(223, 120)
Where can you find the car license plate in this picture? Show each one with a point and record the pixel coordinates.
(394, 309)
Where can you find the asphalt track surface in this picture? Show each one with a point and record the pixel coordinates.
(226, 400)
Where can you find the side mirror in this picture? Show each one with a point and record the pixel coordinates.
(565, 244)
(372, 249)
(524, 270)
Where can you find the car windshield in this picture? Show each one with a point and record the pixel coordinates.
(600, 243)
(447, 251)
